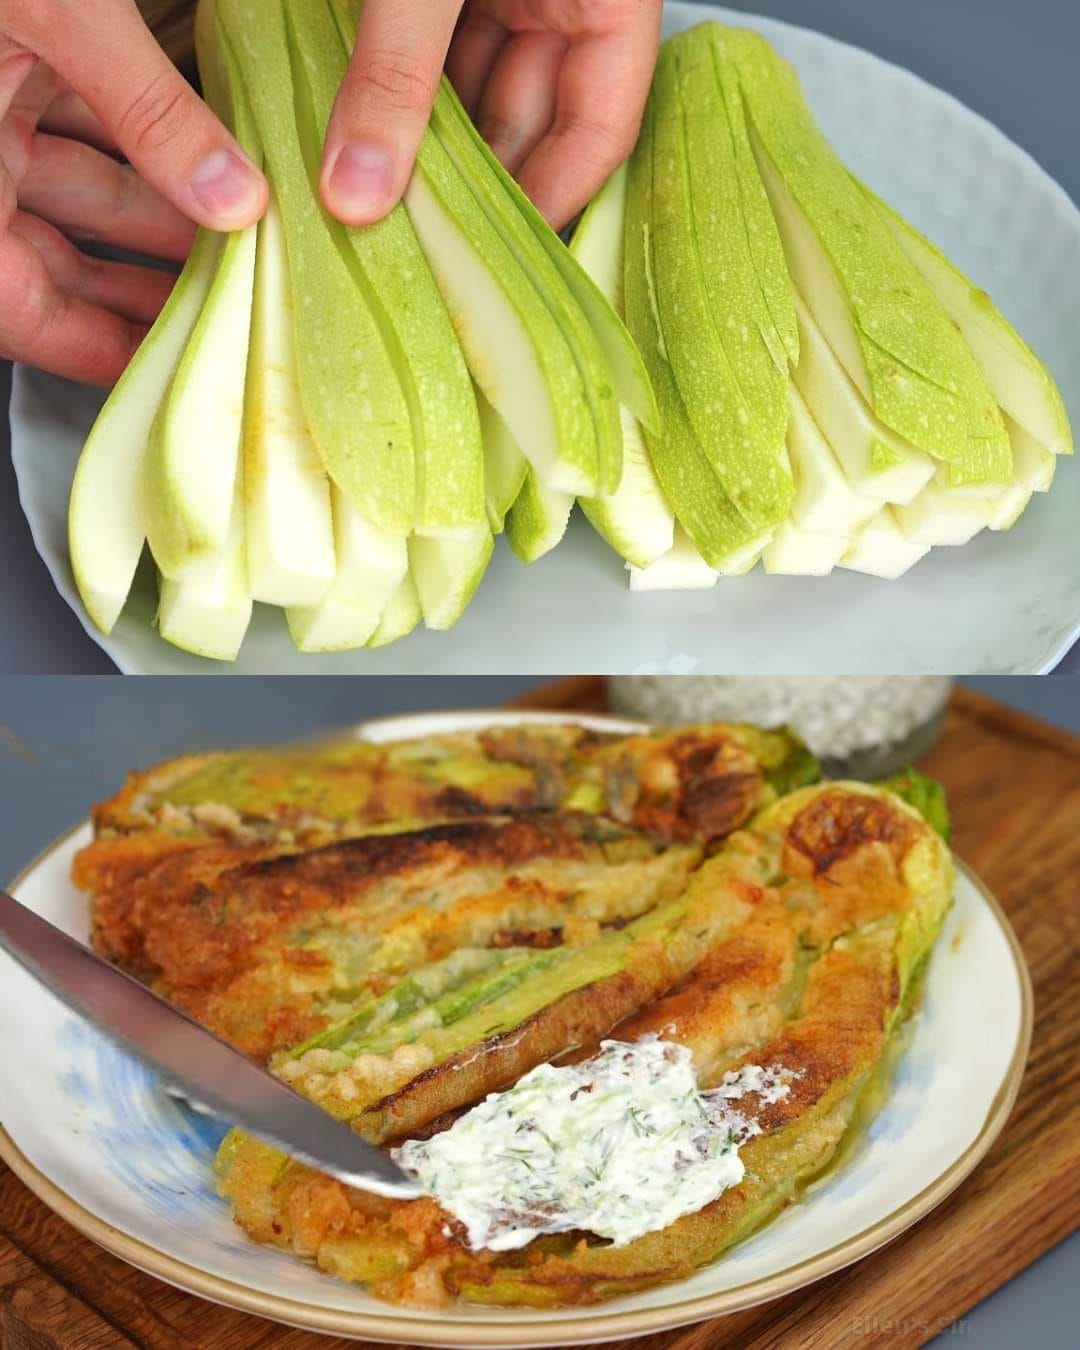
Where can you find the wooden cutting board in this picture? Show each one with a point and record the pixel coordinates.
(1014, 788)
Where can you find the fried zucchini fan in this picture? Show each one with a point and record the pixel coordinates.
(797, 944)
(263, 892)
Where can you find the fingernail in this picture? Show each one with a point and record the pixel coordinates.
(362, 181)
(226, 186)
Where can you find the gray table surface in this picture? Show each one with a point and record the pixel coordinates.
(1012, 60)
(66, 742)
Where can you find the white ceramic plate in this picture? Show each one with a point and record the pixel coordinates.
(1005, 603)
(86, 1127)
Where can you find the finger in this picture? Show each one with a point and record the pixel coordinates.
(518, 106)
(9, 199)
(603, 85)
(95, 197)
(16, 64)
(68, 115)
(158, 121)
(133, 292)
(19, 122)
(473, 50)
(42, 326)
(384, 105)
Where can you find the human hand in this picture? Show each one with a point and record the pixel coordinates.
(81, 83)
(557, 88)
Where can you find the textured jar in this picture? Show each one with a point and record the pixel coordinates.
(858, 725)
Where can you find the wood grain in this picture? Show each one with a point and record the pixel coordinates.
(1014, 787)
(36, 1311)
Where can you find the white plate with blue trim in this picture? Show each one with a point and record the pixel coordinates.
(1005, 603)
(88, 1129)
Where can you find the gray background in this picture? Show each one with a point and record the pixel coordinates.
(66, 742)
(1012, 60)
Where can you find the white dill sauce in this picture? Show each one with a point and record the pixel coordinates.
(620, 1145)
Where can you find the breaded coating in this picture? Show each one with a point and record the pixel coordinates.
(235, 882)
(269, 950)
(691, 783)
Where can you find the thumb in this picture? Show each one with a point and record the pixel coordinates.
(384, 105)
(107, 55)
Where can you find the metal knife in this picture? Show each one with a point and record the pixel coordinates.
(195, 1065)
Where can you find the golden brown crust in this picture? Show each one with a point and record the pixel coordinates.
(126, 810)
(676, 782)
(731, 999)
(688, 784)
(255, 945)
(839, 824)
(201, 912)
(845, 852)
(201, 862)
(691, 784)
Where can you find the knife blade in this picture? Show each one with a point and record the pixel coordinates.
(195, 1064)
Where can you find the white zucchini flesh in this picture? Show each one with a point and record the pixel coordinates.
(290, 525)
(208, 611)
(636, 519)
(1009, 507)
(825, 502)
(496, 339)
(881, 548)
(447, 573)
(796, 552)
(1033, 464)
(682, 568)
(877, 463)
(332, 625)
(401, 615)
(505, 467)
(371, 565)
(106, 522)
(942, 518)
(191, 466)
